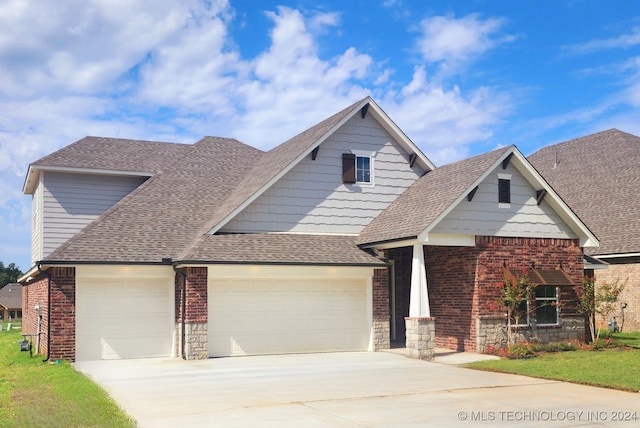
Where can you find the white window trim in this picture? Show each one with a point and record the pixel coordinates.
(502, 176)
(371, 156)
(549, 299)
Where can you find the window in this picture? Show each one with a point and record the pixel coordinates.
(357, 167)
(504, 191)
(363, 169)
(546, 304)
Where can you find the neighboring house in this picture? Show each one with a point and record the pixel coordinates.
(597, 176)
(11, 302)
(146, 249)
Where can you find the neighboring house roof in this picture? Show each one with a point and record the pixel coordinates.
(423, 205)
(11, 296)
(598, 176)
(283, 248)
(116, 155)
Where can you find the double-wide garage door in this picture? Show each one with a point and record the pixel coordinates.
(123, 318)
(278, 316)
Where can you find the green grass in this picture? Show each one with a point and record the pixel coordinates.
(33, 393)
(630, 339)
(610, 368)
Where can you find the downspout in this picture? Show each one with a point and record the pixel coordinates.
(183, 304)
(48, 275)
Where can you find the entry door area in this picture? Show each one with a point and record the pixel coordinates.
(123, 318)
(279, 316)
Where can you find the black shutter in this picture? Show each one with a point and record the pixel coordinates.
(348, 168)
(504, 191)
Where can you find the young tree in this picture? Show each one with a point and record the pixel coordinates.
(598, 299)
(9, 274)
(515, 292)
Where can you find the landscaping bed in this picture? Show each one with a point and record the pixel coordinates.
(611, 362)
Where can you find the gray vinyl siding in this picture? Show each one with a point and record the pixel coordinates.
(36, 222)
(522, 218)
(311, 198)
(71, 201)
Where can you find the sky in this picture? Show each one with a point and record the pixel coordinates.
(458, 77)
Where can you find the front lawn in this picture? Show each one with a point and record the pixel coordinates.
(33, 393)
(610, 368)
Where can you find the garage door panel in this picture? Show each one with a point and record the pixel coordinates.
(121, 318)
(287, 316)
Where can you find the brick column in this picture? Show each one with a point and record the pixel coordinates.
(381, 329)
(63, 314)
(196, 314)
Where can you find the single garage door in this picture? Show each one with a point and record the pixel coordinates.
(123, 318)
(279, 316)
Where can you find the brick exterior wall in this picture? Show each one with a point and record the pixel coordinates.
(63, 312)
(463, 281)
(629, 317)
(35, 293)
(381, 333)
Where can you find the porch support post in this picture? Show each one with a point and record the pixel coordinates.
(419, 303)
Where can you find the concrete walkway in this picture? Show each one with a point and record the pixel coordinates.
(351, 389)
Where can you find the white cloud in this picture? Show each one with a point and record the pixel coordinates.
(444, 122)
(624, 41)
(450, 41)
(170, 71)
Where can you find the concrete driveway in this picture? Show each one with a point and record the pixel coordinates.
(351, 389)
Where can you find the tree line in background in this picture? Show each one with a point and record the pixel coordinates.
(9, 274)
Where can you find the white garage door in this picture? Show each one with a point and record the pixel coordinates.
(123, 318)
(278, 316)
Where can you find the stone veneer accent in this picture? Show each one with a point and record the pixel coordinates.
(197, 338)
(381, 334)
(421, 334)
(492, 331)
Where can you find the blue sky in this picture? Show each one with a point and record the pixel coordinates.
(460, 78)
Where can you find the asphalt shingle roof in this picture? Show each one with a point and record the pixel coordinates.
(162, 217)
(11, 296)
(598, 176)
(426, 199)
(283, 248)
(197, 186)
(115, 154)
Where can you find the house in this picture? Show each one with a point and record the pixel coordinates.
(597, 176)
(11, 302)
(324, 243)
